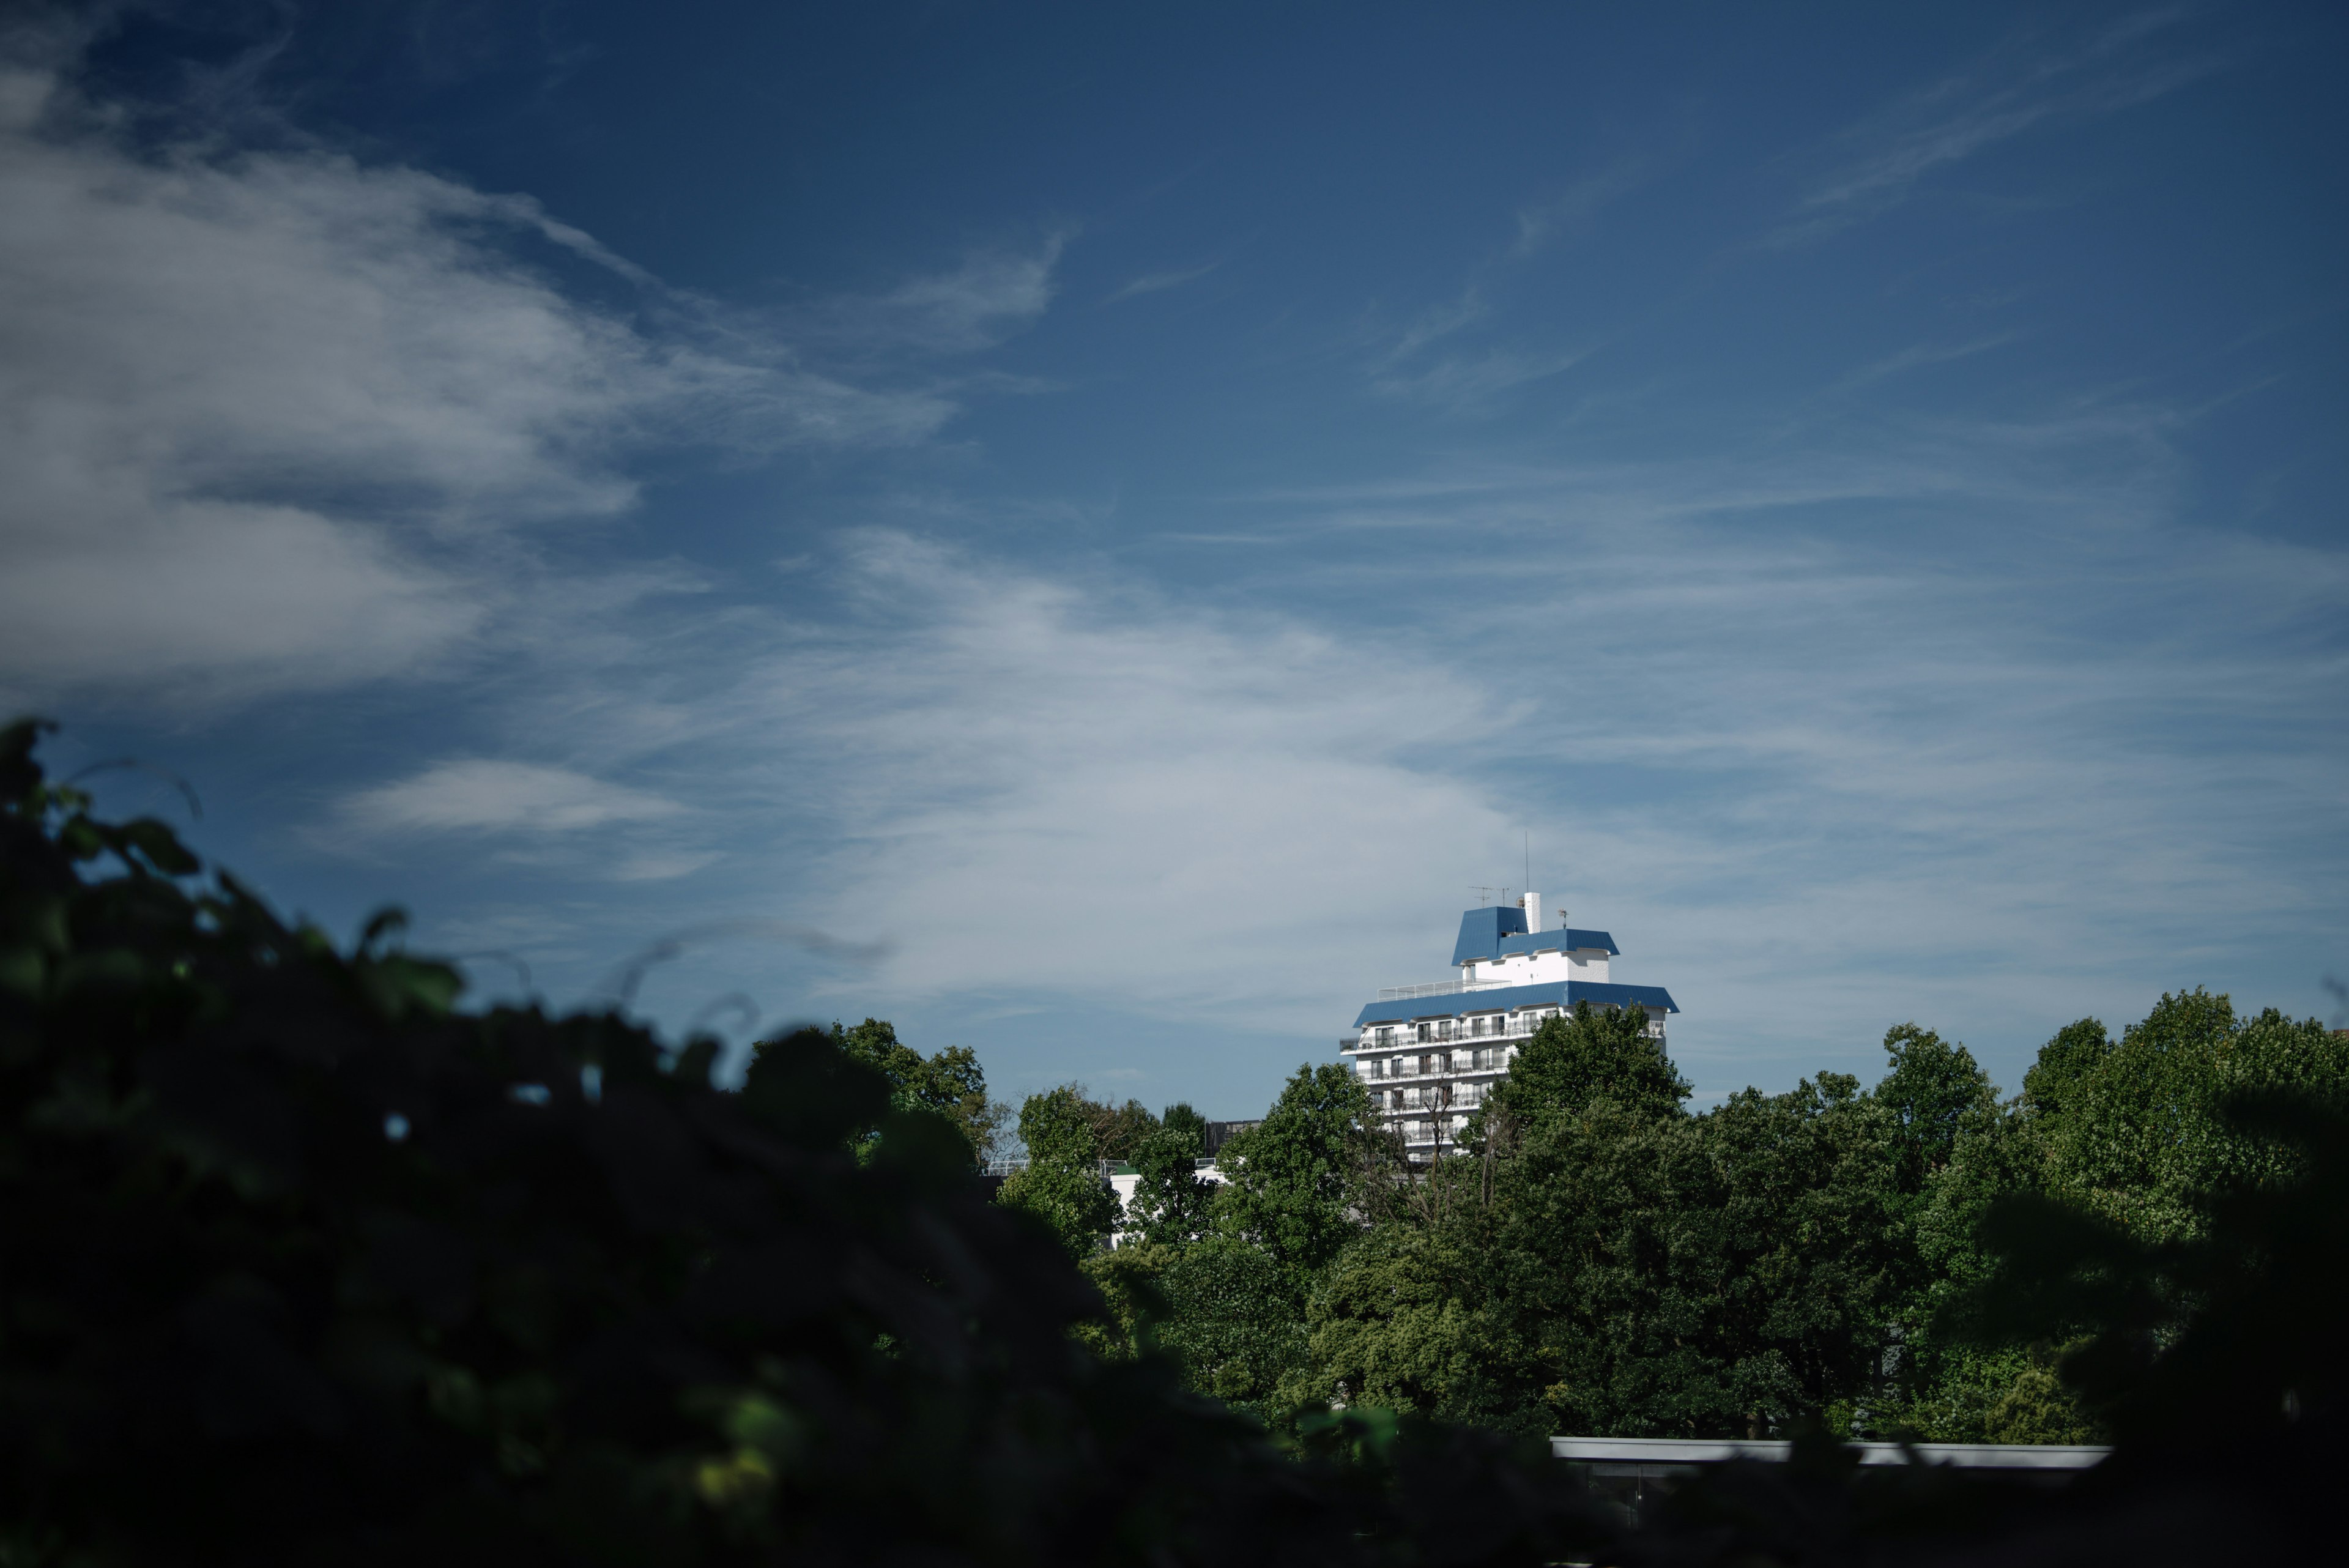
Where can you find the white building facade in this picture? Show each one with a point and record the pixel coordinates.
(1430, 1054)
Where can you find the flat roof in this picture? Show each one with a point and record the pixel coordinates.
(1719, 1450)
(1561, 994)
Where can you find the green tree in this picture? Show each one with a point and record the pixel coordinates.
(1118, 1131)
(1936, 1092)
(1298, 1183)
(950, 1083)
(2063, 1065)
(2139, 1136)
(1180, 1117)
(1610, 1265)
(1402, 1321)
(1589, 1052)
(1722, 1274)
(1062, 1184)
(1944, 1385)
(1170, 1199)
(1235, 1321)
(1947, 1387)
(1131, 1281)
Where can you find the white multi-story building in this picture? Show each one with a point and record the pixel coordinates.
(1430, 1054)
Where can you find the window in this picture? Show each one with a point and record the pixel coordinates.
(1423, 1034)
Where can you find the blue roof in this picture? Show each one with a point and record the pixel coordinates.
(1497, 931)
(1482, 931)
(1549, 993)
(1569, 940)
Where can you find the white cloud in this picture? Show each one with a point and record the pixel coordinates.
(483, 795)
(264, 412)
(1814, 785)
(1463, 381)
(1156, 282)
(1540, 222)
(992, 294)
(656, 867)
(218, 595)
(1123, 798)
(1917, 356)
(1438, 322)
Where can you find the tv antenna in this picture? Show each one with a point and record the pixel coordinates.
(1484, 894)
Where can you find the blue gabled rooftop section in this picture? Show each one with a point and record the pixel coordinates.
(1482, 931)
(1549, 993)
(1499, 929)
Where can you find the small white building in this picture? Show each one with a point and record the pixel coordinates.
(1430, 1054)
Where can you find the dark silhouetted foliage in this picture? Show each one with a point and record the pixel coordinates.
(302, 1264)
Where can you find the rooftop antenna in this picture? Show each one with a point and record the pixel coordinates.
(1484, 894)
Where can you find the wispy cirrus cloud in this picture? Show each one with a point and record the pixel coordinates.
(1436, 323)
(1463, 381)
(2015, 91)
(1158, 282)
(1424, 364)
(992, 294)
(1420, 361)
(1541, 221)
(1918, 355)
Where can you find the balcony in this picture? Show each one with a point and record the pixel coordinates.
(1405, 1039)
(1411, 1074)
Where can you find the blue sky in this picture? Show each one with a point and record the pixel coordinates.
(1089, 534)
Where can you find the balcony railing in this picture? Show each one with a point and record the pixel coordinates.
(1438, 988)
(1405, 1039)
(1457, 1070)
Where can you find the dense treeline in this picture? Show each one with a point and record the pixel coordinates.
(1599, 1261)
(300, 1262)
